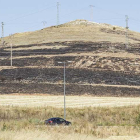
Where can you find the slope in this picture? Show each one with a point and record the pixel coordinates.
(101, 63)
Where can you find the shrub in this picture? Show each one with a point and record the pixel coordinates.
(114, 28)
(138, 119)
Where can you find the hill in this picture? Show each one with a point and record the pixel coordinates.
(79, 30)
(101, 63)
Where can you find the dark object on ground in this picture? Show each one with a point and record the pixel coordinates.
(57, 121)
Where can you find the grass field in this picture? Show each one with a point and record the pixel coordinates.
(93, 118)
(42, 135)
(71, 101)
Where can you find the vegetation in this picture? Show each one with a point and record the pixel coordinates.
(97, 122)
(73, 31)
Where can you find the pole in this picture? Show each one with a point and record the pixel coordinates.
(65, 85)
(2, 24)
(58, 13)
(64, 90)
(11, 56)
(11, 52)
(91, 12)
(44, 23)
(127, 41)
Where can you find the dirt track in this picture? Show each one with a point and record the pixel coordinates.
(71, 101)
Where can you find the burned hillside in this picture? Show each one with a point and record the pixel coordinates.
(98, 66)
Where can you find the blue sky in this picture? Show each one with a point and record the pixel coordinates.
(29, 15)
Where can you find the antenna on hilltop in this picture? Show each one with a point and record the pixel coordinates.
(91, 12)
(127, 39)
(44, 23)
(58, 4)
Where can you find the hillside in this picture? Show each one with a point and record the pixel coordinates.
(79, 30)
(101, 64)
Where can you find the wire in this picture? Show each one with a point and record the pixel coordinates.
(109, 11)
(82, 9)
(111, 19)
(21, 23)
(77, 11)
(30, 14)
(135, 19)
(32, 26)
(117, 13)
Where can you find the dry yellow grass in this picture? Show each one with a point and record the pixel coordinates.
(22, 123)
(36, 48)
(72, 32)
(107, 54)
(43, 135)
(71, 101)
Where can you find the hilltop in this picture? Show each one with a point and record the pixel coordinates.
(101, 63)
(78, 30)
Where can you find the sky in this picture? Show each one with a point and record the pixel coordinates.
(30, 15)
